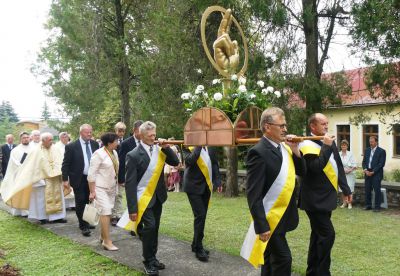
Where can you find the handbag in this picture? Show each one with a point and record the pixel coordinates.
(91, 214)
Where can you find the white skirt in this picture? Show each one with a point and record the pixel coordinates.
(105, 199)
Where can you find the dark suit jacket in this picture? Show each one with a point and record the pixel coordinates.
(377, 163)
(5, 157)
(316, 191)
(137, 162)
(73, 163)
(194, 181)
(125, 147)
(263, 165)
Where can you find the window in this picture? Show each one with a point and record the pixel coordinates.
(396, 140)
(368, 131)
(343, 133)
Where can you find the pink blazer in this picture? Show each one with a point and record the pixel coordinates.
(101, 170)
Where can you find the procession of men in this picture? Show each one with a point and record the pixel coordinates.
(40, 174)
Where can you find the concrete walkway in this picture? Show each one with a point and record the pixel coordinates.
(175, 254)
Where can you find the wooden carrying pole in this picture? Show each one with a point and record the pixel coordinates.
(248, 141)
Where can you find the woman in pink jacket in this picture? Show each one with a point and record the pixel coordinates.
(102, 178)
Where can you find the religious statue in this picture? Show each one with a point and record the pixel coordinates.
(226, 51)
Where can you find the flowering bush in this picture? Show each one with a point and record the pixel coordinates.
(234, 100)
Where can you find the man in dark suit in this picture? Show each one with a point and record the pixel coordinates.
(126, 146)
(264, 163)
(5, 152)
(117, 211)
(373, 162)
(136, 181)
(318, 193)
(75, 168)
(198, 190)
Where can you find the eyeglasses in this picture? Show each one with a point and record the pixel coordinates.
(281, 126)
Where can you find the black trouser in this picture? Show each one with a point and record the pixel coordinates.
(148, 230)
(372, 182)
(322, 239)
(199, 205)
(81, 199)
(277, 257)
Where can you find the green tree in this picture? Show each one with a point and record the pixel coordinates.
(290, 30)
(376, 33)
(45, 112)
(7, 112)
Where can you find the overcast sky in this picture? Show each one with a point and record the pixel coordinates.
(22, 32)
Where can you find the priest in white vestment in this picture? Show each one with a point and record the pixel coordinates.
(17, 157)
(34, 138)
(60, 146)
(37, 185)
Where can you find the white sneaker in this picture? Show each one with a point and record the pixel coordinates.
(344, 205)
(350, 206)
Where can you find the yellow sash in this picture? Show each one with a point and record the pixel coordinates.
(146, 188)
(275, 204)
(330, 170)
(204, 163)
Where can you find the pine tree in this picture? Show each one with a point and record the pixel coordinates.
(45, 112)
(7, 112)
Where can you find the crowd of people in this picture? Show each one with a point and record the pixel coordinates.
(41, 178)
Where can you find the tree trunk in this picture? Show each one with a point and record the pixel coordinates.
(231, 189)
(124, 71)
(312, 74)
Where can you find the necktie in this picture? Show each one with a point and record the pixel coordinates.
(279, 149)
(151, 150)
(10, 146)
(88, 152)
(370, 158)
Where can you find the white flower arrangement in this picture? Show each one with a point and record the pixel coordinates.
(233, 99)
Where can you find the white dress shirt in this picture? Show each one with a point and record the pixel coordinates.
(85, 157)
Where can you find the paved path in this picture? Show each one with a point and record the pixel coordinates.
(175, 254)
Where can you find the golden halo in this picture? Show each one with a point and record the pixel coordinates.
(206, 14)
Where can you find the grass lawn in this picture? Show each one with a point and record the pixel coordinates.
(36, 251)
(366, 243)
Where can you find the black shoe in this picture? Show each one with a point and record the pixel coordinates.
(159, 265)
(86, 232)
(43, 221)
(92, 227)
(201, 255)
(114, 221)
(367, 208)
(150, 269)
(60, 221)
(133, 233)
(205, 250)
